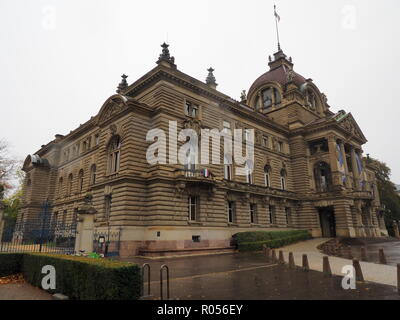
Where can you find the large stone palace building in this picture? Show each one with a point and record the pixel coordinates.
(309, 170)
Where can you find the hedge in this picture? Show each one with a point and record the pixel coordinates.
(254, 241)
(79, 278)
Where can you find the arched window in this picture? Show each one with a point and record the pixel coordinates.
(69, 187)
(249, 171)
(80, 180)
(93, 174)
(60, 186)
(323, 177)
(267, 176)
(267, 98)
(228, 167)
(114, 154)
(283, 179)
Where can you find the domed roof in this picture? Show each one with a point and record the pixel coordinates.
(277, 73)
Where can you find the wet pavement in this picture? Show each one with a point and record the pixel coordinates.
(391, 249)
(248, 276)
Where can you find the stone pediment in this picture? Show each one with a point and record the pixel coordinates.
(348, 123)
(114, 105)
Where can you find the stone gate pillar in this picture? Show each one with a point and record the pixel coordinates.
(85, 230)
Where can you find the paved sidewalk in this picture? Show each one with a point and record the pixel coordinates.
(373, 272)
(22, 291)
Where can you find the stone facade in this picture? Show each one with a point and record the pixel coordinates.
(309, 172)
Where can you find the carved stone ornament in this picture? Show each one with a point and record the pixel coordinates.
(113, 107)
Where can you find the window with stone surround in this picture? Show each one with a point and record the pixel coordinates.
(191, 109)
(267, 176)
(69, 186)
(231, 211)
(193, 206)
(288, 214)
(253, 213)
(272, 214)
(114, 154)
(80, 180)
(283, 179)
(93, 174)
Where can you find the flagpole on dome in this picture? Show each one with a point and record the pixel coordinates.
(277, 19)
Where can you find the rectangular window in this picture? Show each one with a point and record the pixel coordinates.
(231, 211)
(228, 172)
(272, 218)
(191, 109)
(97, 139)
(192, 208)
(288, 214)
(253, 213)
(196, 238)
(280, 146)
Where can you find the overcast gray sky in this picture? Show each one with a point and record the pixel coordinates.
(60, 60)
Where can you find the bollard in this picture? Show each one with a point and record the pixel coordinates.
(398, 278)
(268, 254)
(363, 254)
(291, 261)
(358, 271)
(326, 267)
(281, 258)
(273, 256)
(382, 258)
(306, 267)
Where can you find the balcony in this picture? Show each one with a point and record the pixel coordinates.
(202, 176)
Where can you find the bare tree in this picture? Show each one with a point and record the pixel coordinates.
(7, 168)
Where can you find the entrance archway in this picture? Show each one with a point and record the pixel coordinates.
(327, 221)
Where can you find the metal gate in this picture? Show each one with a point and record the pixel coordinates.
(39, 233)
(107, 242)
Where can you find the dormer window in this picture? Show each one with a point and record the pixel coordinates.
(191, 109)
(268, 98)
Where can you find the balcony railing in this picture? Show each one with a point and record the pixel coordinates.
(201, 175)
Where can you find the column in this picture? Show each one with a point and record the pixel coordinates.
(336, 176)
(354, 164)
(346, 168)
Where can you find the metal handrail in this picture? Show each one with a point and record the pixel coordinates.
(161, 281)
(148, 278)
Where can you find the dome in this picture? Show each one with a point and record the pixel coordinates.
(279, 69)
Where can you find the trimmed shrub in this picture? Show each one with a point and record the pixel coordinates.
(10, 263)
(272, 239)
(82, 278)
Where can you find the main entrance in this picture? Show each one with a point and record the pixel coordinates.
(328, 223)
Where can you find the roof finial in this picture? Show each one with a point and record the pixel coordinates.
(165, 56)
(123, 84)
(210, 80)
(277, 19)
